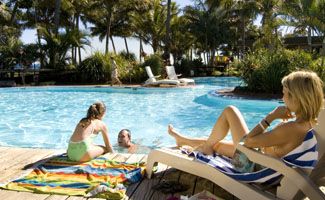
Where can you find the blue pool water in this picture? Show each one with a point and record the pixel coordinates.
(45, 117)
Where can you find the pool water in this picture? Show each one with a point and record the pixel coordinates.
(45, 117)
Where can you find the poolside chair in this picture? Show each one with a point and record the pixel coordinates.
(173, 76)
(152, 79)
(295, 184)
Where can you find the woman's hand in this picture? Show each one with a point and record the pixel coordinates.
(280, 112)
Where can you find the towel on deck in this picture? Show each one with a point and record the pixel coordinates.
(59, 175)
(303, 156)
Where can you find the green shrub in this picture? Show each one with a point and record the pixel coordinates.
(128, 56)
(263, 70)
(138, 74)
(318, 66)
(94, 69)
(187, 65)
(156, 63)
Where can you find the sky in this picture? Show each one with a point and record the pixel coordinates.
(29, 36)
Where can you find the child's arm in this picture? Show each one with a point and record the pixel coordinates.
(108, 145)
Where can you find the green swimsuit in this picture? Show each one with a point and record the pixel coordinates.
(76, 150)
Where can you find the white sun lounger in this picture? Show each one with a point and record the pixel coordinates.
(152, 79)
(173, 76)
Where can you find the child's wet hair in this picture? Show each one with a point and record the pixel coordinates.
(95, 111)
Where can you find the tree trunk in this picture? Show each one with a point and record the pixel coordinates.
(309, 39)
(113, 45)
(13, 15)
(167, 39)
(140, 51)
(57, 16)
(79, 49)
(126, 46)
(108, 31)
(323, 51)
(39, 39)
(73, 49)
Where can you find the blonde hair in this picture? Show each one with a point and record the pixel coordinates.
(94, 112)
(306, 90)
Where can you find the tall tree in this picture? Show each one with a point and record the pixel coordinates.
(168, 31)
(303, 15)
(151, 27)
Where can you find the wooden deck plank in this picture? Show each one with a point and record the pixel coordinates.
(31, 196)
(14, 195)
(57, 197)
(8, 195)
(30, 158)
(144, 191)
(220, 192)
(135, 158)
(14, 171)
(3, 149)
(170, 174)
(203, 184)
(10, 154)
(76, 198)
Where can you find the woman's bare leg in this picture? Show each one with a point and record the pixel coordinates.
(230, 119)
(183, 140)
(94, 152)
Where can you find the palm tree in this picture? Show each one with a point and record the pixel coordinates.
(57, 15)
(210, 26)
(269, 9)
(301, 15)
(151, 27)
(57, 46)
(167, 37)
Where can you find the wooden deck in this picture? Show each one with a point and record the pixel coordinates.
(13, 160)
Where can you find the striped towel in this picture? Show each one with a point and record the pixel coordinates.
(59, 175)
(303, 156)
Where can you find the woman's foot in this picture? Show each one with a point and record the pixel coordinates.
(175, 134)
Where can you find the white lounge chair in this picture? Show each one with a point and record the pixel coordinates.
(173, 76)
(152, 79)
(295, 183)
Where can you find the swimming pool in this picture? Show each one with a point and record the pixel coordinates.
(45, 117)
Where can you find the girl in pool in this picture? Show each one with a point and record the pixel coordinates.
(81, 147)
(303, 97)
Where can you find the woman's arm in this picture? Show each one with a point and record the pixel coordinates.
(278, 136)
(104, 131)
(258, 138)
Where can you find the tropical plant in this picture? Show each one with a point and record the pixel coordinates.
(301, 15)
(155, 62)
(263, 70)
(57, 46)
(95, 69)
(150, 25)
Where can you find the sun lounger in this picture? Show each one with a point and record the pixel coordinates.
(152, 79)
(296, 182)
(173, 76)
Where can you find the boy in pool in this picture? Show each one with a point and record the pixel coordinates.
(81, 147)
(303, 97)
(124, 140)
